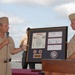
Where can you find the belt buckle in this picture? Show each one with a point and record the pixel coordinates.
(7, 60)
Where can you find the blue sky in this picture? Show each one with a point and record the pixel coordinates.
(36, 14)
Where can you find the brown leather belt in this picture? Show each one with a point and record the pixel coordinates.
(7, 60)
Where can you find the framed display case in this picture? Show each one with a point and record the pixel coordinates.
(47, 43)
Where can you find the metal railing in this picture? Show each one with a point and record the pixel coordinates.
(17, 62)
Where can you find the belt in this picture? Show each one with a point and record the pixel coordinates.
(7, 60)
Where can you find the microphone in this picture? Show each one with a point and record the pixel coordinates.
(7, 34)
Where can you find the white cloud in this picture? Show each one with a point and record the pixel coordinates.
(15, 20)
(37, 2)
(29, 2)
(7, 1)
(65, 9)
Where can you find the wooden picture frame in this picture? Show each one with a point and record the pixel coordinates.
(47, 43)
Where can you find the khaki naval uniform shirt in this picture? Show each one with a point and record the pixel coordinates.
(5, 55)
(71, 46)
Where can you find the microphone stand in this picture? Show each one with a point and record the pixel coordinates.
(7, 60)
(7, 36)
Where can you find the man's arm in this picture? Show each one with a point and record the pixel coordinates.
(72, 57)
(5, 42)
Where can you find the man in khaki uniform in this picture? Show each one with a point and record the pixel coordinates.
(71, 44)
(7, 47)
